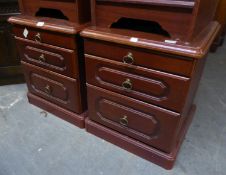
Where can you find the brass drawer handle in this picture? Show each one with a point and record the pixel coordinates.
(124, 121)
(42, 58)
(48, 89)
(129, 59)
(127, 84)
(38, 38)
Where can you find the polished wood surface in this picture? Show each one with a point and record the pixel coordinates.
(140, 57)
(198, 48)
(129, 94)
(156, 156)
(182, 22)
(147, 123)
(48, 34)
(141, 62)
(143, 82)
(49, 24)
(220, 16)
(57, 89)
(148, 85)
(77, 11)
(56, 59)
(52, 59)
(177, 3)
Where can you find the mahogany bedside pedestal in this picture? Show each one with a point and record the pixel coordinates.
(51, 52)
(141, 91)
(144, 61)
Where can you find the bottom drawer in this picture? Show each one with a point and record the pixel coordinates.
(149, 124)
(53, 87)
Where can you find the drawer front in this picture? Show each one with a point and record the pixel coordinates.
(43, 36)
(139, 57)
(57, 89)
(147, 123)
(56, 59)
(165, 90)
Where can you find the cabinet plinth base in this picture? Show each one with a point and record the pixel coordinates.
(73, 118)
(149, 153)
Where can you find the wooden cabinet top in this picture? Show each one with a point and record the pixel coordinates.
(49, 24)
(197, 49)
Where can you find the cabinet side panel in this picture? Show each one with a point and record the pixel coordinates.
(203, 14)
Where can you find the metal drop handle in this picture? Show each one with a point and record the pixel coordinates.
(128, 59)
(38, 38)
(124, 121)
(48, 89)
(42, 58)
(127, 84)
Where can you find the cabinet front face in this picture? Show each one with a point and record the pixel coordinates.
(59, 60)
(57, 89)
(152, 125)
(159, 88)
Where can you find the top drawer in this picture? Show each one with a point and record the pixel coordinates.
(43, 36)
(139, 57)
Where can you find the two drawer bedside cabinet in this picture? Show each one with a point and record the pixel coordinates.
(51, 52)
(144, 61)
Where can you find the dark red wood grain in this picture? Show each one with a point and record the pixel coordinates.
(64, 91)
(183, 20)
(52, 38)
(147, 123)
(59, 60)
(151, 114)
(77, 11)
(53, 65)
(159, 88)
(141, 82)
(142, 57)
